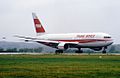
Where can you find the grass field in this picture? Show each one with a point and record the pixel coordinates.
(59, 66)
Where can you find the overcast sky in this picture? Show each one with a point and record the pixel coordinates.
(60, 16)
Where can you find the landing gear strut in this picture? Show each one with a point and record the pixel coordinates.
(58, 51)
(79, 51)
(104, 50)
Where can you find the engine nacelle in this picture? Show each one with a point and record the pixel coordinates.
(63, 46)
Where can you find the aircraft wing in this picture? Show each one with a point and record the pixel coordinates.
(25, 37)
(51, 43)
(57, 44)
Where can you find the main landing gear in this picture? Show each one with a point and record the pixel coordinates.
(79, 51)
(104, 50)
(58, 51)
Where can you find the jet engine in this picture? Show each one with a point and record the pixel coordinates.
(63, 46)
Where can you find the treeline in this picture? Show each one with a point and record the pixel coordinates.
(39, 49)
(112, 49)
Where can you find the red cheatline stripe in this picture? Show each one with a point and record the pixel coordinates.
(84, 41)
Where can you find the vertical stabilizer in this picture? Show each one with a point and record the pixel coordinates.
(38, 26)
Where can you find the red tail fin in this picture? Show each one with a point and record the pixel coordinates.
(38, 26)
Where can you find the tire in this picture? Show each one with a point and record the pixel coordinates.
(104, 52)
(79, 51)
(58, 51)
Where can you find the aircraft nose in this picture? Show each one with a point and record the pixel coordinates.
(110, 42)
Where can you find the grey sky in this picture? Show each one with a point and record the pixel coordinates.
(60, 16)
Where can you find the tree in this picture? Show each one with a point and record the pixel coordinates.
(112, 49)
(1, 50)
(11, 50)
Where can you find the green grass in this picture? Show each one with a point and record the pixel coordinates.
(59, 66)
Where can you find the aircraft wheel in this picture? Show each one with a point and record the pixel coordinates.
(104, 51)
(58, 51)
(79, 51)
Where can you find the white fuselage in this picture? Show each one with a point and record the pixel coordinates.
(82, 39)
(95, 41)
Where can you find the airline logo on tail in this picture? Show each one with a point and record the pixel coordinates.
(38, 26)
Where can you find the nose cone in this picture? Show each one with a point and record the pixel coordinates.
(108, 39)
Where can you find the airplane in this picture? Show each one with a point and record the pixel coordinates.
(94, 41)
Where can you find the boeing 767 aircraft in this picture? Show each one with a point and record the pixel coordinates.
(95, 41)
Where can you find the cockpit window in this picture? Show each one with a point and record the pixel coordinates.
(107, 37)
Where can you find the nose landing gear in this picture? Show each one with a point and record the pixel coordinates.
(104, 50)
